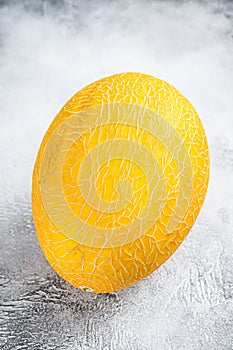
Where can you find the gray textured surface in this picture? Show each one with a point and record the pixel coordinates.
(49, 51)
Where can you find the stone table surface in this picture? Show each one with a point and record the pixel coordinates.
(48, 51)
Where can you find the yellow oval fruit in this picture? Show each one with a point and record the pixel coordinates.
(119, 180)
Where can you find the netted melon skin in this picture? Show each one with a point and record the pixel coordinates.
(119, 179)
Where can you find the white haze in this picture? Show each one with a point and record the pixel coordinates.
(45, 58)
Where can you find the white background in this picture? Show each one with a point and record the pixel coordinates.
(48, 51)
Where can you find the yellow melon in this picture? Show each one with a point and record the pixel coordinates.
(119, 179)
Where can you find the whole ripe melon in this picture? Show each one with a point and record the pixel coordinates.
(119, 179)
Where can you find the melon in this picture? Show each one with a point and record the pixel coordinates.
(119, 179)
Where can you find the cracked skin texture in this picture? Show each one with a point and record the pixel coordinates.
(119, 179)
